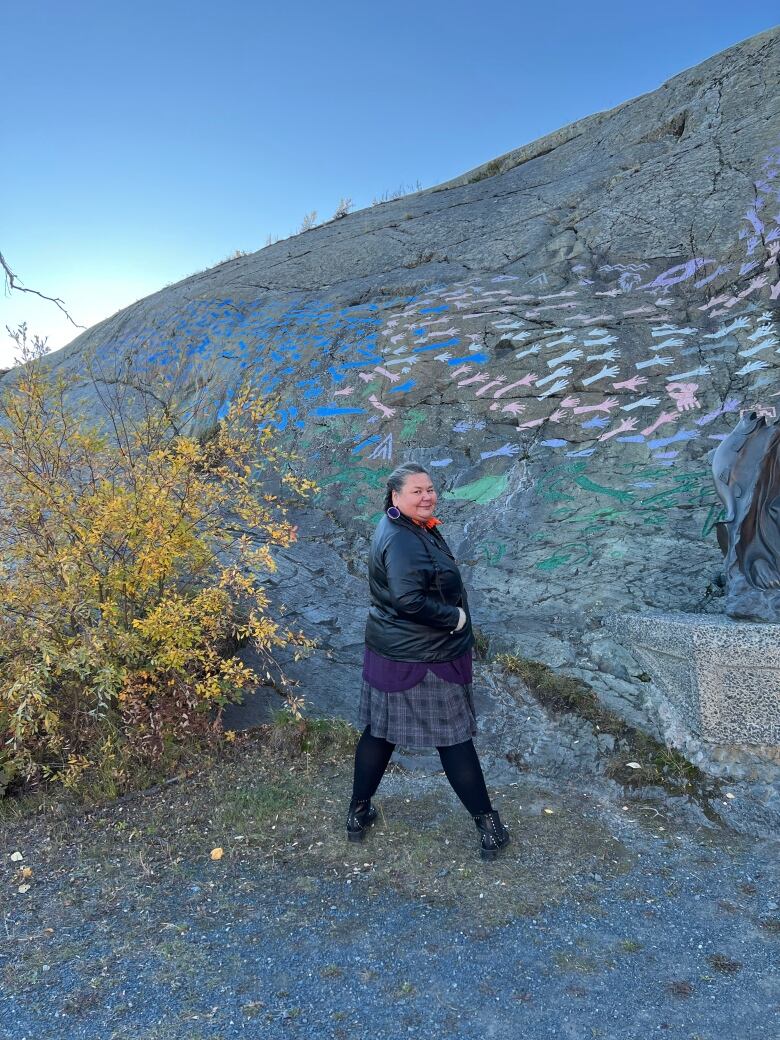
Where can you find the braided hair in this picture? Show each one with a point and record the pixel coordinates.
(397, 479)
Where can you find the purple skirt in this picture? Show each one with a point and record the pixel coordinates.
(434, 713)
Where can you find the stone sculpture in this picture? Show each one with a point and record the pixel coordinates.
(746, 469)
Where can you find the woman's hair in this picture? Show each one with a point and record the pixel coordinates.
(397, 479)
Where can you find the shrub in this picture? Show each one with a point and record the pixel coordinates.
(343, 208)
(308, 222)
(488, 170)
(390, 196)
(130, 563)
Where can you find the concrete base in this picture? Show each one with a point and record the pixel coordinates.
(722, 676)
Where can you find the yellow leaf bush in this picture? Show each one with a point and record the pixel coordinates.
(131, 557)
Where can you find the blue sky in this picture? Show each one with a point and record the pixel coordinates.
(145, 141)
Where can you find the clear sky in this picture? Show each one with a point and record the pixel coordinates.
(143, 141)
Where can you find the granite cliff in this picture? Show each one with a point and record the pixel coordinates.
(563, 335)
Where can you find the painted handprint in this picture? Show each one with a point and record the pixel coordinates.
(386, 412)
(684, 395)
(570, 355)
(602, 406)
(668, 330)
(505, 449)
(630, 384)
(608, 355)
(663, 418)
(731, 404)
(724, 330)
(558, 385)
(654, 361)
(751, 366)
(411, 360)
(608, 372)
(557, 374)
(493, 382)
(764, 345)
(531, 350)
(556, 342)
(624, 426)
(525, 381)
(764, 325)
(643, 402)
(392, 376)
(679, 377)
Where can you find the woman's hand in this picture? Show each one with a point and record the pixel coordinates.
(461, 620)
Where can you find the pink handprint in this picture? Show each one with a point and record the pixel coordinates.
(683, 394)
(386, 412)
(603, 406)
(480, 377)
(663, 418)
(513, 408)
(623, 427)
(630, 384)
(392, 376)
(525, 381)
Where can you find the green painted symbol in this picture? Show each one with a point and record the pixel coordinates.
(590, 485)
(412, 421)
(715, 514)
(559, 557)
(480, 491)
(493, 551)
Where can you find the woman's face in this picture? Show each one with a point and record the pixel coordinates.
(417, 498)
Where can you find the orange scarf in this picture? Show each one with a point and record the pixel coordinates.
(430, 523)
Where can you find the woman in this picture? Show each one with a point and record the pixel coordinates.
(416, 688)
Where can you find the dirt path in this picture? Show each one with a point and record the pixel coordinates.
(598, 921)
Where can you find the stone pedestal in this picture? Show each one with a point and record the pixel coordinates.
(722, 676)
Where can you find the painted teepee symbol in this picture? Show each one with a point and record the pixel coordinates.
(383, 450)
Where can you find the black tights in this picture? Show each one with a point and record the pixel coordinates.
(460, 763)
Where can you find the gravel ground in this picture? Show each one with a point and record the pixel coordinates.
(598, 921)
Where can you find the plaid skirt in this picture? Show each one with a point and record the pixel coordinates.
(434, 713)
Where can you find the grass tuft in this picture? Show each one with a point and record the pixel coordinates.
(660, 765)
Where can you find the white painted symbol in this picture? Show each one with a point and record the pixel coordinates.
(383, 450)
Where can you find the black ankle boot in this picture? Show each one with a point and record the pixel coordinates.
(493, 833)
(361, 815)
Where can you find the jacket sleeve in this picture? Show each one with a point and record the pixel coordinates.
(407, 580)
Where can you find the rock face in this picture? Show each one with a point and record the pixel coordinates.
(563, 336)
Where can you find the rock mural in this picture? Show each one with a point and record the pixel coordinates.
(564, 343)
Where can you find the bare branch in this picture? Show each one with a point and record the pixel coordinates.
(12, 282)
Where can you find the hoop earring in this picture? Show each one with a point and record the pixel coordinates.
(393, 512)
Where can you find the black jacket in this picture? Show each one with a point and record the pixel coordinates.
(412, 613)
